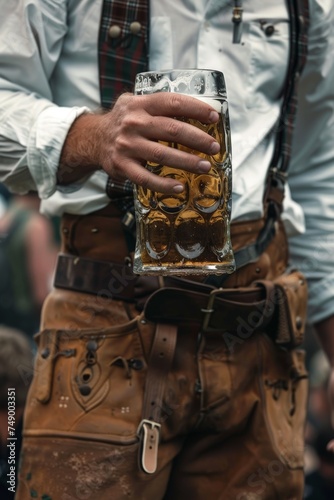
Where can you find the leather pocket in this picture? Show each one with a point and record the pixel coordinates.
(284, 388)
(88, 384)
(287, 298)
(291, 297)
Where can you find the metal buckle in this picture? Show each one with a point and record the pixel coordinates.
(151, 423)
(209, 308)
(149, 433)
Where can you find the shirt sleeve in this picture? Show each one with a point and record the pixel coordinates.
(312, 167)
(32, 128)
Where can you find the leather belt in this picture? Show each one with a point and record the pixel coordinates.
(117, 281)
(242, 310)
(175, 301)
(108, 279)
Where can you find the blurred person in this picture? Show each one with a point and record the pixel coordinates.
(4, 195)
(27, 261)
(156, 403)
(319, 404)
(320, 481)
(16, 369)
(319, 411)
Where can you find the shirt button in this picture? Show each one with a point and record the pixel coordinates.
(269, 30)
(114, 31)
(135, 27)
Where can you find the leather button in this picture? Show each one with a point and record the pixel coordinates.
(269, 30)
(114, 31)
(299, 322)
(135, 27)
(85, 390)
(45, 353)
(91, 345)
(136, 364)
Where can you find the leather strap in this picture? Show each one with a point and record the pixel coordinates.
(250, 253)
(160, 363)
(108, 279)
(116, 281)
(44, 363)
(220, 311)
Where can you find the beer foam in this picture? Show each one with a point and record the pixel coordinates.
(214, 103)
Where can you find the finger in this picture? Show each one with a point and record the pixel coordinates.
(139, 175)
(176, 131)
(163, 155)
(178, 105)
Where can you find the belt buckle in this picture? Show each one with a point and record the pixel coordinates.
(149, 433)
(209, 308)
(149, 423)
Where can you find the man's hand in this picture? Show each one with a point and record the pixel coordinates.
(123, 139)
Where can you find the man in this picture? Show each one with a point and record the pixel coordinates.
(119, 408)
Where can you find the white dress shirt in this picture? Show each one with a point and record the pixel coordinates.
(49, 76)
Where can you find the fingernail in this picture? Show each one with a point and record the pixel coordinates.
(178, 188)
(215, 148)
(204, 166)
(213, 116)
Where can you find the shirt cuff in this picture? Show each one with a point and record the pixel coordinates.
(45, 144)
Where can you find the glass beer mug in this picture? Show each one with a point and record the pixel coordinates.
(187, 233)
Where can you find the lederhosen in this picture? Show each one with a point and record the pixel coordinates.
(200, 316)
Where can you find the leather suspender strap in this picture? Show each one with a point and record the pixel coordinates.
(277, 173)
(299, 23)
(250, 253)
(160, 363)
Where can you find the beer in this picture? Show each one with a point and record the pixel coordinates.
(188, 232)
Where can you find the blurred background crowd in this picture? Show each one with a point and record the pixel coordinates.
(28, 248)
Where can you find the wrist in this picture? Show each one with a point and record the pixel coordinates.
(81, 153)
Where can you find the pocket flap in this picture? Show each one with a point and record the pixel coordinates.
(291, 296)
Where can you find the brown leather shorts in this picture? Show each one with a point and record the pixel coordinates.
(232, 411)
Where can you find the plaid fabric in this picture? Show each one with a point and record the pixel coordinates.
(122, 193)
(120, 59)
